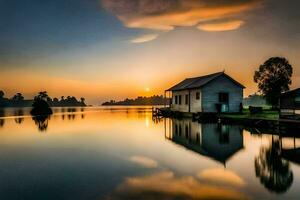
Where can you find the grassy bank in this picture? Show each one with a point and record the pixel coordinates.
(265, 115)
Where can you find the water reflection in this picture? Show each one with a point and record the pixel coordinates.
(291, 152)
(19, 113)
(63, 113)
(71, 113)
(2, 120)
(166, 185)
(273, 171)
(216, 141)
(42, 122)
(126, 156)
(82, 113)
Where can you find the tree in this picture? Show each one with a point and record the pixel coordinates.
(82, 101)
(18, 97)
(42, 95)
(40, 104)
(273, 78)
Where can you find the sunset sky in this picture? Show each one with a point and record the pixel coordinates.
(112, 49)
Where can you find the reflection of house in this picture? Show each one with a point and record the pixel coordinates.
(290, 150)
(290, 104)
(292, 155)
(216, 141)
(210, 93)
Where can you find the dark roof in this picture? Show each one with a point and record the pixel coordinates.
(198, 82)
(291, 92)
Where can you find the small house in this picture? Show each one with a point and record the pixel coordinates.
(290, 104)
(212, 93)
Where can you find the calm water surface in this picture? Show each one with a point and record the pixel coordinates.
(122, 153)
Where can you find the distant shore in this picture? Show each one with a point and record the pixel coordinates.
(132, 105)
(28, 103)
(139, 101)
(18, 101)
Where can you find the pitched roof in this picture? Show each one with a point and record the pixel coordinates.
(198, 82)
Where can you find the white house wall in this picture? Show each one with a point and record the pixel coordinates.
(196, 105)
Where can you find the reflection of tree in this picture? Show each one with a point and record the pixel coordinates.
(18, 114)
(2, 121)
(273, 171)
(71, 115)
(82, 111)
(2, 114)
(42, 122)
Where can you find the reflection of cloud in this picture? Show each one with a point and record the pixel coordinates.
(144, 161)
(221, 176)
(223, 26)
(167, 14)
(165, 185)
(144, 38)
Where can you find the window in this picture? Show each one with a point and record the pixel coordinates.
(179, 99)
(197, 95)
(297, 99)
(223, 97)
(186, 99)
(176, 99)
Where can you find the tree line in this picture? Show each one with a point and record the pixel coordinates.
(18, 100)
(153, 100)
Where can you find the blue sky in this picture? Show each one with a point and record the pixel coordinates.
(104, 49)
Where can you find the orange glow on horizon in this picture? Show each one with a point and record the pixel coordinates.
(96, 92)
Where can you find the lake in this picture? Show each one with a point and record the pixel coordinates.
(123, 153)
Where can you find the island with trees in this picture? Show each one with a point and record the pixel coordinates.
(153, 100)
(18, 100)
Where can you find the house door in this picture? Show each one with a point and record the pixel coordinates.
(224, 101)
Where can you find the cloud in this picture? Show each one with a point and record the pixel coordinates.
(144, 38)
(222, 26)
(221, 176)
(144, 161)
(167, 14)
(165, 185)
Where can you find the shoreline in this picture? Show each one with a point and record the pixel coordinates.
(270, 119)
